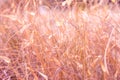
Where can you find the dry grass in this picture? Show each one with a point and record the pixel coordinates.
(42, 43)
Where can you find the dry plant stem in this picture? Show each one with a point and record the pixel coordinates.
(26, 71)
(84, 50)
(106, 50)
(6, 59)
(44, 76)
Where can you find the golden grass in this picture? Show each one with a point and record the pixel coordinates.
(38, 42)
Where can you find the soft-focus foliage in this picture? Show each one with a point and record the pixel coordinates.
(41, 40)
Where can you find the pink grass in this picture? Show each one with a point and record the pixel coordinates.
(39, 42)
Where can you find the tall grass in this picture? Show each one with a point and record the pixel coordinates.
(38, 42)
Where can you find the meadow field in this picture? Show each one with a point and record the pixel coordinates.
(53, 42)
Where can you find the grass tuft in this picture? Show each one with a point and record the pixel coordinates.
(41, 40)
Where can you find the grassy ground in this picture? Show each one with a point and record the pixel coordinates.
(42, 43)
